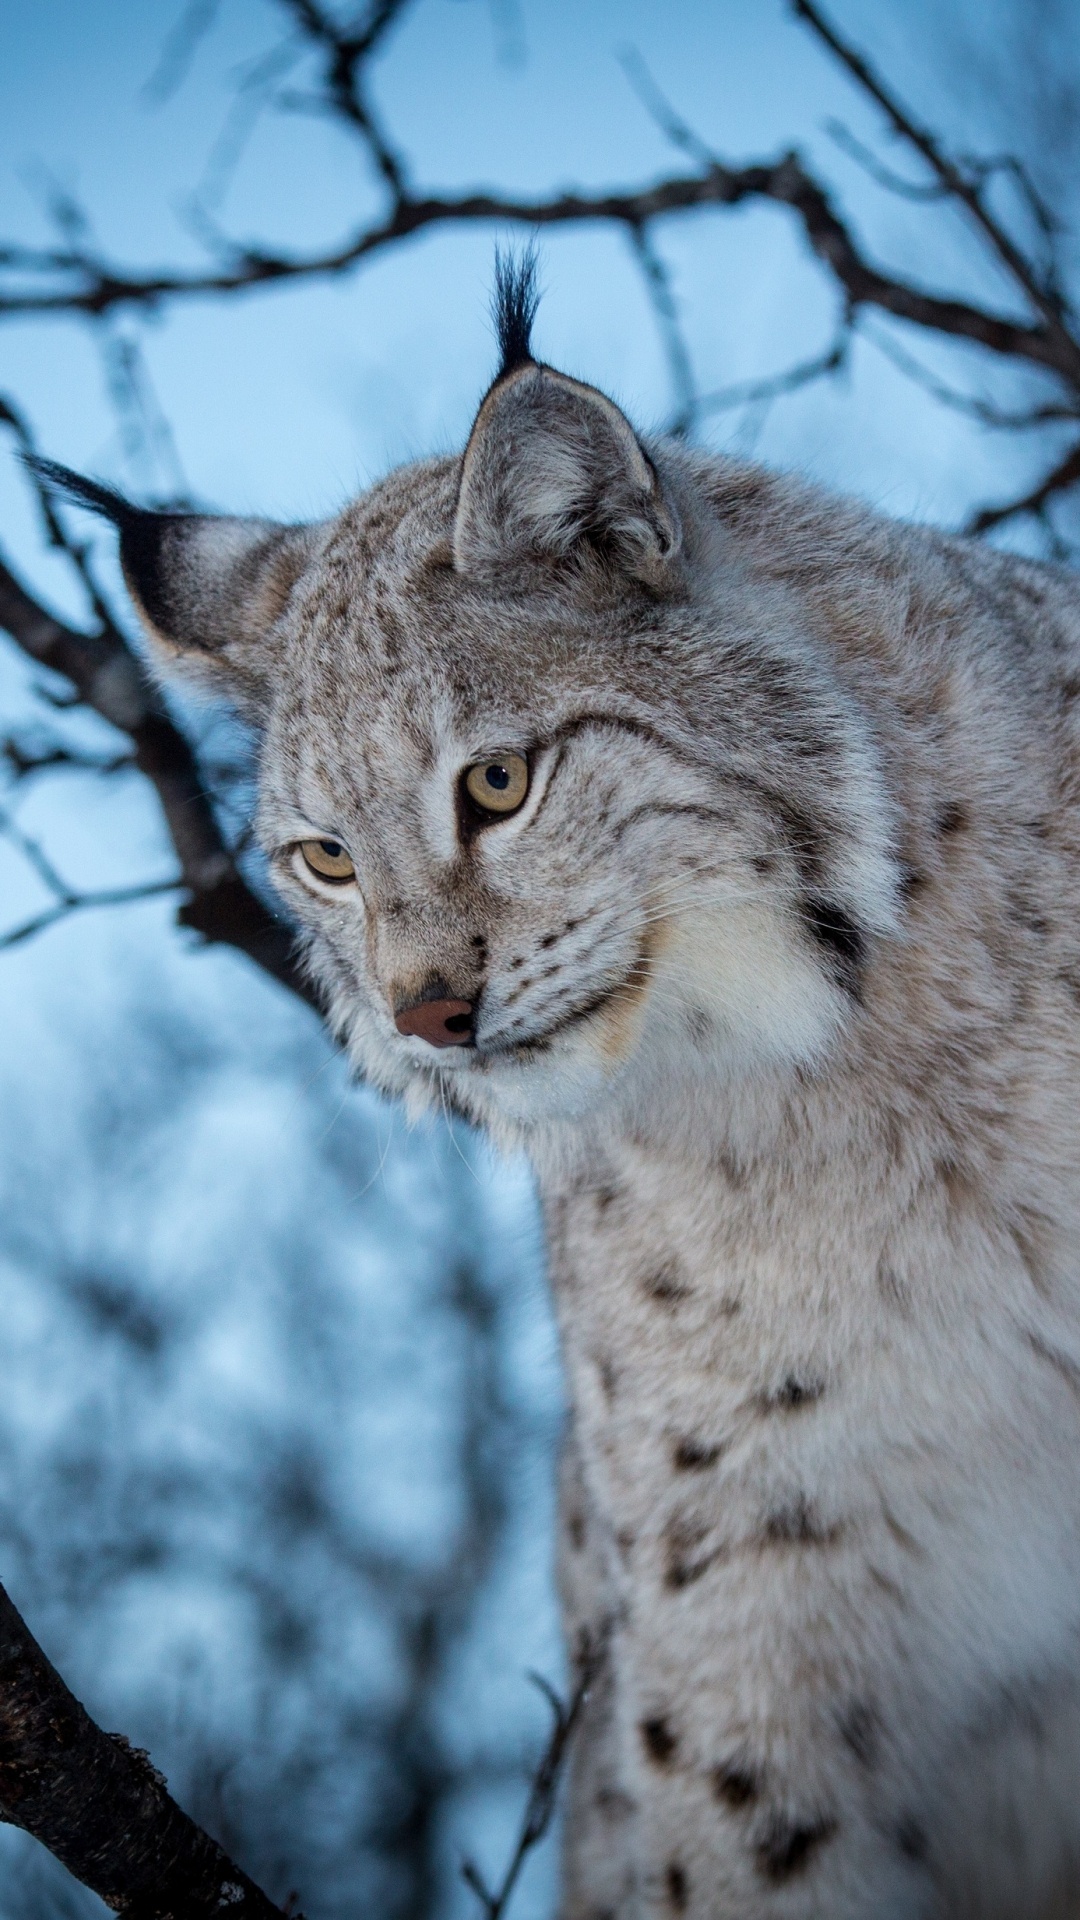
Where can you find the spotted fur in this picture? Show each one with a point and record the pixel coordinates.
(777, 979)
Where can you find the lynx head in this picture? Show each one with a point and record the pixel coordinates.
(571, 807)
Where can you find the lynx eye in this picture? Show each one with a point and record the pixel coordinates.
(498, 785)
(329, 860)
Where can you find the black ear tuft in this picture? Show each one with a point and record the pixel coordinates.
(85, 493)
(515, 299)
(143, 532)
(211, 588)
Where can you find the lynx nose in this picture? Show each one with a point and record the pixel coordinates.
(442, 1023)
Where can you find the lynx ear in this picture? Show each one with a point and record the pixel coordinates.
(208, 589)
(552, 465)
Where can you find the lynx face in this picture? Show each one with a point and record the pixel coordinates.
(620, 896)
(569, 813)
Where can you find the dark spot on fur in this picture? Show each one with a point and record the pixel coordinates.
(606, 1196)
(838, 936)
(664, 1284)
(1022, 913)
(518, 960)
(912, 880)
(1070, 688)
(858, 1726)
(698, 1025)
(549, 939)
(605, 1367)
(727, 1165)
(625, 1540)
(793, 1394)
(735, 1785)
(763, 863)
(807, 844)
(911, 1838)
(660, 1742)
(797, 1524)
(951, 819)
(616, 1804)
(787, 1847)
(690, 1455)
(678, 1891)
(575, 1527)
(683, 1540)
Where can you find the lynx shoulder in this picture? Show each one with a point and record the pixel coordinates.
(720, 842)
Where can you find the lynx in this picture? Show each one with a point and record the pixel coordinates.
(718, 842)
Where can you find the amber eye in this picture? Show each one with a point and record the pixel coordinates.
(329, 860)
(498, 785)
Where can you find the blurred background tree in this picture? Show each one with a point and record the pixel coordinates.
(281, 1392)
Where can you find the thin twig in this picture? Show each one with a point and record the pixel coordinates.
(24, 762)
(755, 392)
(347, 54)
(922, 191)
(1001, 419)
(1062, 477)
(959, 184)
(543, 1792)
(179, 50)
(658, 285)
(76, 902)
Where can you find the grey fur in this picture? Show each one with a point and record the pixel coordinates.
(777, 974)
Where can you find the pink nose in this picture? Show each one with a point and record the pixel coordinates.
(442, 1023)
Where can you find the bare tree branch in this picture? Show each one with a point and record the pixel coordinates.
(179, 50)
(1064, 475)
(968, 190)
(658, 284)
(346, 56)
(99, 1804)
(100, 287)
(923, 191)
(71, 903)
(24, 761)
(540, 1806)
(107, 676)
(745, 393)
(1001, 419)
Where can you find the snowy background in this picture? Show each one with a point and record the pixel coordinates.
(279, 1391)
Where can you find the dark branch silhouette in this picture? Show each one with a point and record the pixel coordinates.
(100, 1805)
(107, 675)
(76, 279)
